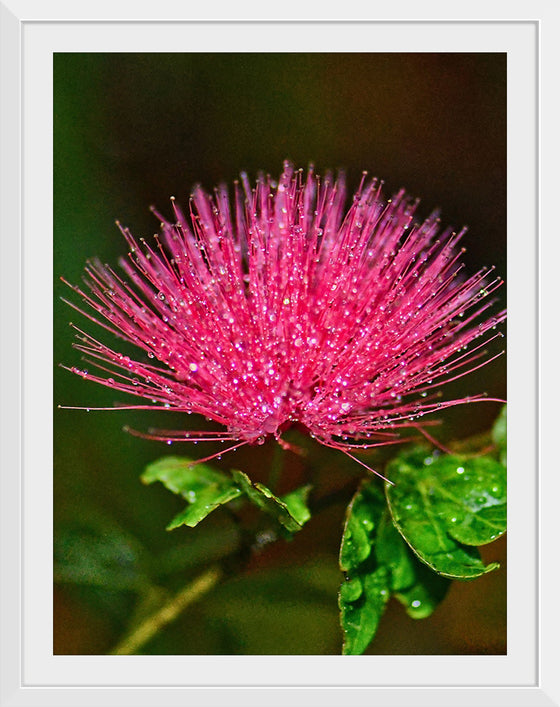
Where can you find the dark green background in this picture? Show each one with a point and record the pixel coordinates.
(132, 130)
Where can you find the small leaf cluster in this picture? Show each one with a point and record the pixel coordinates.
(377, 563)
(421, 533)
(205, 489)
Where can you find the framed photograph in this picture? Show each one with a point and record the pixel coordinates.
(294, 574)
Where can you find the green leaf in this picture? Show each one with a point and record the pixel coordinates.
(263, 497)
(364, 594)
(181, 476)
(414, 585)
(499, 435)
(206, 488)
(296, 502)
(202, 486)
(360, 616)
(204, 503)
(393, 552)
(362, 519)
(96, 552)
(444, 505)
(426, 592)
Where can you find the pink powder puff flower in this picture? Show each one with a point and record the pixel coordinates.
(284, 308)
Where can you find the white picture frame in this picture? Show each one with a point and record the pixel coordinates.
(31, 674)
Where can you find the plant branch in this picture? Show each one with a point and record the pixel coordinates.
(169, 612)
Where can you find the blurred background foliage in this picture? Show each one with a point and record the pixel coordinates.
(130, 131)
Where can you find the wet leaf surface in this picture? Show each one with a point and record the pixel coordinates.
(377, 564)
(181, 476)
(203, 487)
(366, 589)
(206, 488)
(291, 512)
(445, 505)
(296, 502)
(205, 502)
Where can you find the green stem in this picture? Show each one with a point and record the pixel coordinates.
(169, 612)
(276, 467)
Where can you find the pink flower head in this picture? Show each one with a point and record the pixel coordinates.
(282, 307)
